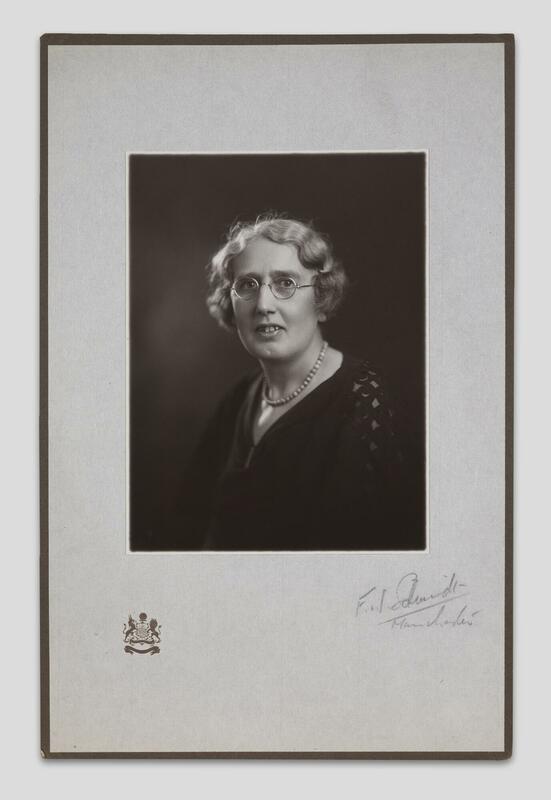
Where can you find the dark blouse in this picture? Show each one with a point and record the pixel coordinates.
(327, 475)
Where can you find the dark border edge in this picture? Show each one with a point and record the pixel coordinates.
(508, 40)
(43, 405)
(509, 67)
(292, 756)
(267, 39)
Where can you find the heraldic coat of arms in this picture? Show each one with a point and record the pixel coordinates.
(141, 635)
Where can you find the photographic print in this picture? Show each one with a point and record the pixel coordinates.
(290, 417)
(276, 396)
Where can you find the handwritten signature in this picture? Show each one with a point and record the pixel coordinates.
(406, 605)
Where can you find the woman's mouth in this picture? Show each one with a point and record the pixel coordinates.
(268, 331)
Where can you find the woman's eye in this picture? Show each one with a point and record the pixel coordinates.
(285, 283)
(246, 283)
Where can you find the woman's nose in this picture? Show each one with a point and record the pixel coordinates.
(264, 299)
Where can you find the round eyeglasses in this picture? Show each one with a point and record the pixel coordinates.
(282, 288)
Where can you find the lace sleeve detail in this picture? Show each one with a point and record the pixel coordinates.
(371, 428)
(366, 490)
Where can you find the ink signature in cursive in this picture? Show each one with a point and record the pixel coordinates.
(410, 605)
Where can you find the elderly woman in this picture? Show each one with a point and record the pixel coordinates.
(301, 454)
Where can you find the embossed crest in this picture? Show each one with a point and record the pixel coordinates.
(141, 635)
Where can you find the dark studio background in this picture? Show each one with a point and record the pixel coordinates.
(372, 206)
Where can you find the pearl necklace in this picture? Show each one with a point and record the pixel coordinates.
(303, 385)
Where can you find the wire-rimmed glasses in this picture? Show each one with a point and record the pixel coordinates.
(282, 288)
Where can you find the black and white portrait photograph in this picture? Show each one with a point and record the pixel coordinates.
(276, 395)
(277, 351)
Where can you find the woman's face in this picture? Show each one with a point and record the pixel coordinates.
(268, 327)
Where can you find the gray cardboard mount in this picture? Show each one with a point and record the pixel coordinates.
(274, 654)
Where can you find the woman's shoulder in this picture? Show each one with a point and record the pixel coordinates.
(366, 395)
(362, 378)
(368, 435)
(236, 395)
